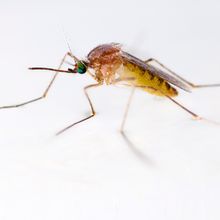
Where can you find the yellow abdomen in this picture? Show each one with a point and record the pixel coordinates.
(147, 81)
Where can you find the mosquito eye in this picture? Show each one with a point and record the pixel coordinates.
(81, 67)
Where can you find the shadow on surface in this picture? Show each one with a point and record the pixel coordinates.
(139, 154)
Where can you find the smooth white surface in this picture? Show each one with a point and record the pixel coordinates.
(172, 169)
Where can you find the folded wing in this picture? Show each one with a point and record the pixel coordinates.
(156, 71)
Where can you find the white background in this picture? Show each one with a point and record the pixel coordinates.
(171, 170)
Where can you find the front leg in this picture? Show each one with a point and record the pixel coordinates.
(47, 88)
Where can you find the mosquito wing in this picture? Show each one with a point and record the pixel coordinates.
(155, 71)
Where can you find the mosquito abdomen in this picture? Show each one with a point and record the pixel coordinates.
(148, 81)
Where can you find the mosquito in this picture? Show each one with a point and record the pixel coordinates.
(110, 65)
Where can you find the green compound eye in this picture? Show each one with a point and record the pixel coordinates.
(81, 67)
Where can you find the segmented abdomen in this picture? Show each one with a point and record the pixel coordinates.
(146, 80)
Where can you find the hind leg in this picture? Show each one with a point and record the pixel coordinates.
(192, 85)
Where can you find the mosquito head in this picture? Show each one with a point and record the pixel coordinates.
(80, 67)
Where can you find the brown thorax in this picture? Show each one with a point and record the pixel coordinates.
(105, 60)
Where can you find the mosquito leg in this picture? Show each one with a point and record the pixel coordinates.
(91, 107)
(118, 81)
(195, 116)
(126, 110)
(46, 90)
(174, 101)
(185, 109)
(179, 77)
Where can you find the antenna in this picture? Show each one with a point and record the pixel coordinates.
(69, 49)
